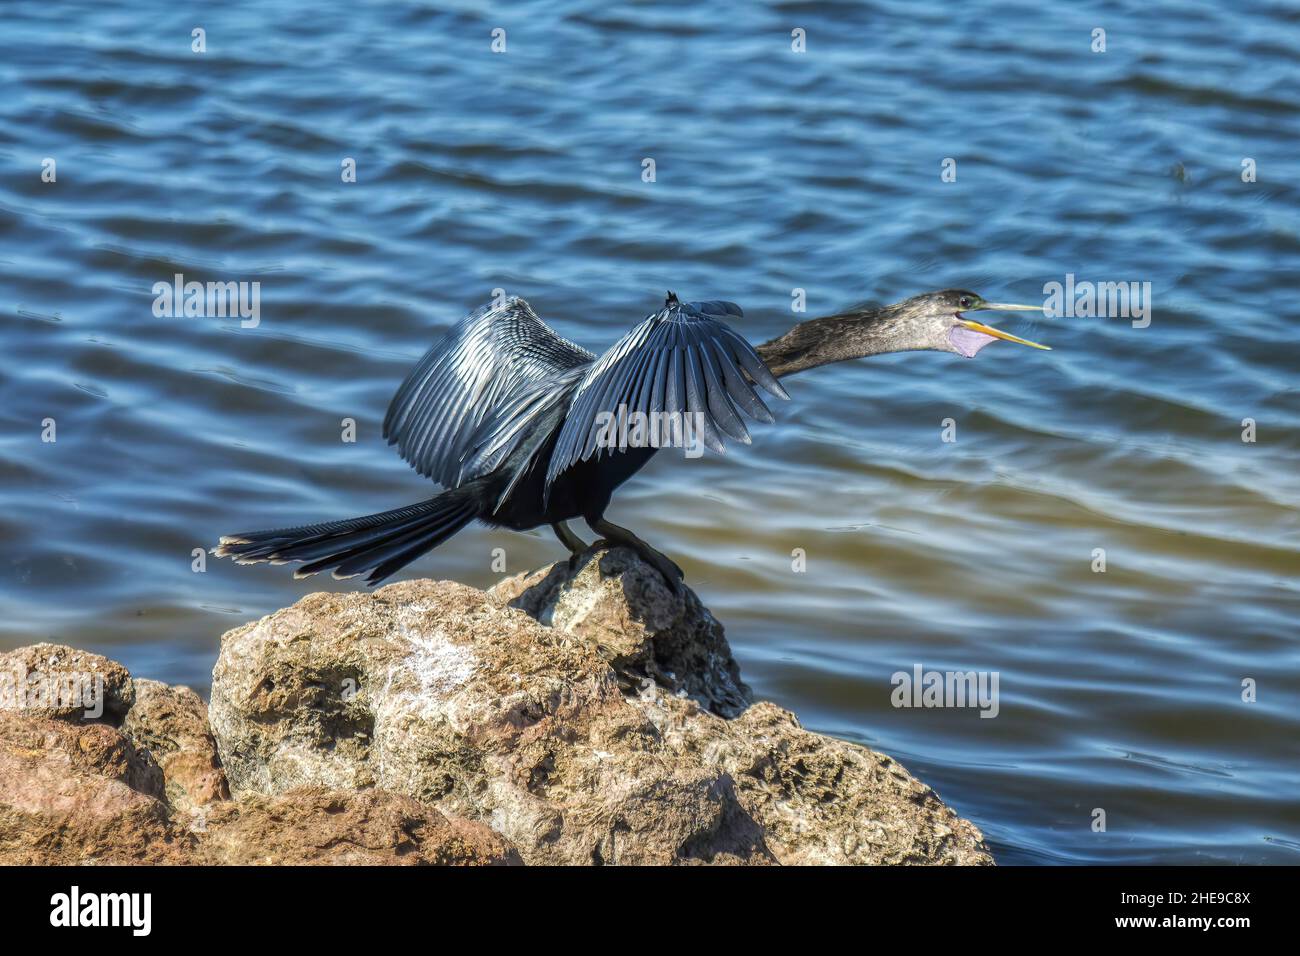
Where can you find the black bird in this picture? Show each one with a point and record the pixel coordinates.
(519, 424)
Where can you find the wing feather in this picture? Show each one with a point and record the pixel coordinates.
(466, 379)
(720, 405)
(682, 359)
(739, 389)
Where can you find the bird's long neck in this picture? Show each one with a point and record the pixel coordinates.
(834, 338)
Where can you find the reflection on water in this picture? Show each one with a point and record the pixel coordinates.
(775, 171)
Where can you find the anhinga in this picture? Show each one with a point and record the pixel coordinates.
(513, 420)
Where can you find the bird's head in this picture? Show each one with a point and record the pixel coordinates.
(935, 321)
(939, 321)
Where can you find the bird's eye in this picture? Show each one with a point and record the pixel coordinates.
(965, 302)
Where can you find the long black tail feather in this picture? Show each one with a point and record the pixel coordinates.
(377, 545)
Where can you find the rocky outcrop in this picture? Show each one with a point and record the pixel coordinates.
(129, 774)
(584, 715)
(619, 607)
(50, 680)
(314, 826)
(588, 716)
(171, 725)
(80, 793)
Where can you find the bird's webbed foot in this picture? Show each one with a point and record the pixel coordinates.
(615, 536)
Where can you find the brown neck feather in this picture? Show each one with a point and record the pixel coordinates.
(834, 338)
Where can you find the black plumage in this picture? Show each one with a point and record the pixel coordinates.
(507, 416)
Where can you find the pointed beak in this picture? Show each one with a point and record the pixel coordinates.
(1008, 307)
(998, 333)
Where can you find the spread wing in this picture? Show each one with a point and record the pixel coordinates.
(525, 420)
(682, 359)
(464, 379)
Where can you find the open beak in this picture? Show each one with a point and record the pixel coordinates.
(998, 333)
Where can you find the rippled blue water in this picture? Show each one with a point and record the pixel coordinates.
(775, 170)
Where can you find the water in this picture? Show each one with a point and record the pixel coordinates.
(774, 171)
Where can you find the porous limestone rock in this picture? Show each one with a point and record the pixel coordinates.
(140, 783)
(624, 610)
(583, 715)
(171, 723)
(316, 827)
(80, 793)
(593, 735)
(51, 680)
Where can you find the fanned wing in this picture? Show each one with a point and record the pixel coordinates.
(463, 380)
(683, 359)
(526, 418)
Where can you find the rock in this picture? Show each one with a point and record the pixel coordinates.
(436, 691)
(595, 737)
(171, 723)
(80, 793)
(168, 725)
(314, 826)
(77, 790)
(822, 800)
(429, 722)
(51, 680)
(73, 787)
(624, 610)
